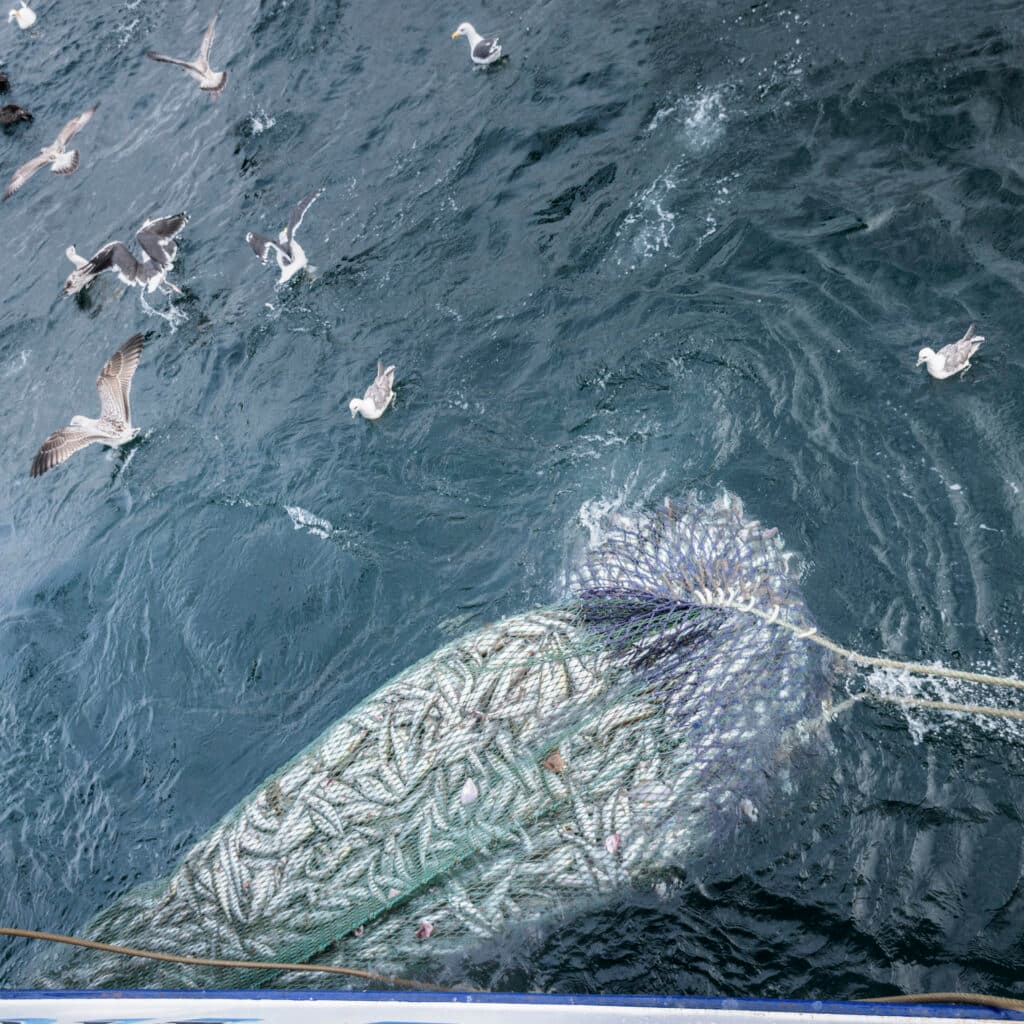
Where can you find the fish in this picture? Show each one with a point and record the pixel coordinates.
(653, 707)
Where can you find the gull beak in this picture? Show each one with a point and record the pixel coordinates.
(455, 34)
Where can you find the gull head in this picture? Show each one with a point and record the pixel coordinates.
(924, 355)
(81, 421)
(353, 406)
(464, 29)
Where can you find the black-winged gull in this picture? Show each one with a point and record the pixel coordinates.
(156, 239)
(481, 51)
(291, 257)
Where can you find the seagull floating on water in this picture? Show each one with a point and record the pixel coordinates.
(209, 80)
(11, 113)
(114, 426)
(64, 160)
(291, 257)
(156, 239)
(378, 395)
(481, 51)
(951, 359)
(23, 15)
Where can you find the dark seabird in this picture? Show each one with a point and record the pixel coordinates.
(156, 239)
(64, 160)
(209, 80)
(481, 51)
(291, 257)
(378, 397)
(114, 426)
(11, 113)
(5, 82)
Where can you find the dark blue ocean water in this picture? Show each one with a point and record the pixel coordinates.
(667, 246)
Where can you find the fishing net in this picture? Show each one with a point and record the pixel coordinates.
(548, 759)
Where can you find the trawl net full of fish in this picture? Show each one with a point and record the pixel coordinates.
(550, 758)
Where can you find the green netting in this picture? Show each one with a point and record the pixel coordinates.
(551, 758)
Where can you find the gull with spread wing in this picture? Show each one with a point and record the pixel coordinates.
(210, 81)
(156, 239)
(291, 257)
(64, 160)
(114, 426)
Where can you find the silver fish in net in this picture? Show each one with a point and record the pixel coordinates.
(549, 759)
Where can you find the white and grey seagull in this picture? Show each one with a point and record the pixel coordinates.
(114, 426)
(209, 80)
(378, 397)
(291, 257)
(951, 359)
(156, 239)
(481, 51)
(64, 160)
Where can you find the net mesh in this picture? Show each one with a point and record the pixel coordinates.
(547, 759)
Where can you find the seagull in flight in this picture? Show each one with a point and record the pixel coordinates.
(64, 160)
(481, 51)
(209, 80)
(114, 426)
(156, 239)
(951, 359)
(291, 257)
(378, 397)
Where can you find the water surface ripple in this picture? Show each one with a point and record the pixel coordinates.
(665, 247)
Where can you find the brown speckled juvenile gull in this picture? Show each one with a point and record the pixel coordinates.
(114, 426)
(64, 160)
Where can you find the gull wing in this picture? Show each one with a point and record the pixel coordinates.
(113, 255)
(207, 43)
(957, 354)
(74, 126)
(60, 445)
(379, 393)
(84, 274)
(261, 245)
(23, 173)
(115, 381)
(298, 212)
(485, 48)
(156, 238)
(191, 68)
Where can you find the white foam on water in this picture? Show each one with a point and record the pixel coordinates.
(705, 119)
(649, 224)
(302, 519)
(694, 124)
(17, 364)
(171, 315)
(923, 722)
(261, 122)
